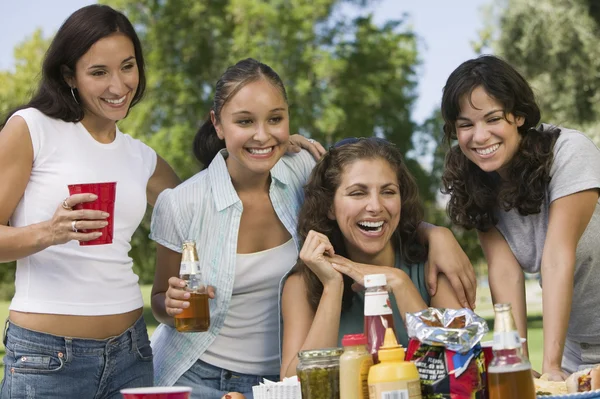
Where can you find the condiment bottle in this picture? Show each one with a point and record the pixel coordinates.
(195, 318)
(354, 367)
(509, 373)
(393, 377)
(378, 312)
(319, 373)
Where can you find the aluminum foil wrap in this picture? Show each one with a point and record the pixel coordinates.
(457, 329)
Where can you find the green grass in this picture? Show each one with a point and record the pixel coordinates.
(483, 308)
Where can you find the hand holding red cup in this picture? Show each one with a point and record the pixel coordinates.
(105, 202)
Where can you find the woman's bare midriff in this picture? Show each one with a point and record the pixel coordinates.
(90, 327)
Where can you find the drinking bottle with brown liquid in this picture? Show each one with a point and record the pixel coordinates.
(509, 373)
(195, 318)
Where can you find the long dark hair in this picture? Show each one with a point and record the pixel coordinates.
(475, 194)
(74, 38)
(319, 194)
(206, 142)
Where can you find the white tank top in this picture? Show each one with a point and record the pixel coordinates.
(249, 340)
(71, 279)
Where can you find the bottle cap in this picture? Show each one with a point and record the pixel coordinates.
(375, 280)
(320, 353)
(354, 340)
(390, 350)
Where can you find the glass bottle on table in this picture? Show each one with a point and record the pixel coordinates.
(509, 373)
(195, 318)
(378, 312)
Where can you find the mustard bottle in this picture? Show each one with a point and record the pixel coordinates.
(393, 377)
(354, 367)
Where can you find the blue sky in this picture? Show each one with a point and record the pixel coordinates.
(445, 29)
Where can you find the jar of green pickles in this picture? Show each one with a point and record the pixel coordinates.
(319, 373)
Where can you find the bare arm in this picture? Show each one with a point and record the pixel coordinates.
(569, 217)
(304, 329)
(163, 177)
(507, 282)
(16, 161)
(166, 279)
(446, 256)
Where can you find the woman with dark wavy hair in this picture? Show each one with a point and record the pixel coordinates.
(360, 216)
(532, 192)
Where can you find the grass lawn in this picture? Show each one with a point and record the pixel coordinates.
(483, 308)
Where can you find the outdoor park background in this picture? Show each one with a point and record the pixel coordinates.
(351, 68)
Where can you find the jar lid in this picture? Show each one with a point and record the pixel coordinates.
(375, 280)
(354, 340)
(319, 353)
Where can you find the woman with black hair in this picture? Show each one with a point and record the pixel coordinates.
(75, 327)
(532, 192)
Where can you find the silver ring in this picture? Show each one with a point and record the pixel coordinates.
(73, 227)
(312, 141)
(65, 205)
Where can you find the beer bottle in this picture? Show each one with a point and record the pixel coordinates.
(509, 373)
(195, 318)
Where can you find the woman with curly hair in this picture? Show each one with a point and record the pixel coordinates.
(360, 216)
(532, 193)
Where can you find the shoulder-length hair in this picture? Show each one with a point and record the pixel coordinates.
(475, 194)
(319, 195)
(74, 38)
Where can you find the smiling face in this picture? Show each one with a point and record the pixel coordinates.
(484, 135)
(106, 79)
(255, 126)
(367, 208)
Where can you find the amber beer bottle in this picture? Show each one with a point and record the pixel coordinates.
(195, 318)
(509, 373)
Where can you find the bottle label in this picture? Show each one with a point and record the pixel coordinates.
(395, 390)
(189, 267)
(363, 376)
(377, 303)
(506, 340)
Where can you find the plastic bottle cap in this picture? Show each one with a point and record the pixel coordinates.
(390, 350)
(354, 340)
(375, 280)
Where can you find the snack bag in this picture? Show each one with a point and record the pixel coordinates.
(445, 347)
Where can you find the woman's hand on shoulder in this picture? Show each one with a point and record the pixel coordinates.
(297, 142)
(446, 256)
(315, 254)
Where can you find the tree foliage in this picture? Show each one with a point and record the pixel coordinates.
(554, 43)
(345, 75)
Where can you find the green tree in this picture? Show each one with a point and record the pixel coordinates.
(554, 43)
(345, 76)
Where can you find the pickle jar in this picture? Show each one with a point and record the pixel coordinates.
(319, 373)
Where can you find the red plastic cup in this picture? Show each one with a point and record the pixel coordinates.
(157, 393)
(105, 202)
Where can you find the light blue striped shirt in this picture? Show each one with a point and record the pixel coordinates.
(207, 210)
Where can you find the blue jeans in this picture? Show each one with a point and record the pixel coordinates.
(211, 382)
(39, 365)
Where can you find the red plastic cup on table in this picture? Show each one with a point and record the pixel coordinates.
(105, 202)
(157, 393)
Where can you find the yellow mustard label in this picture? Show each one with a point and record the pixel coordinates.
(363, 375)
(395, 390)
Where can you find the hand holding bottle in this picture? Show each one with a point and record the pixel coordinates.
(176, 298)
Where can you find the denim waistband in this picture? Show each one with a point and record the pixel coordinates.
(16, 335)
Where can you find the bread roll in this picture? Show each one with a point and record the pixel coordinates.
(595, 374)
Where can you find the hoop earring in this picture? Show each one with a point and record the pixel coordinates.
(73, 94)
